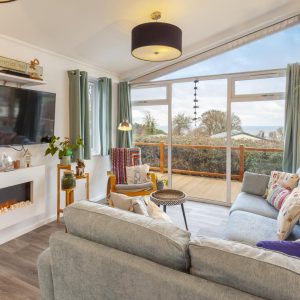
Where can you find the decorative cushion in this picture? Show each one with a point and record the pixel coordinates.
(287, 247)
(121, 158)
(137, 174)
(121, 201)
(286, 180)
(155, 212)
(255, 184)
(139, 207)
(133, 204)
(289, 214)
(277, 195)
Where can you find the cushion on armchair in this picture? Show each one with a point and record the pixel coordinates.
(134, 187)
(122, 158)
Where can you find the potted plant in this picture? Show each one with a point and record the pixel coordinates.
(64, 148)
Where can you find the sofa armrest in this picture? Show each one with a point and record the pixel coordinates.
(255, 184)
(45, 275)
(260, 272)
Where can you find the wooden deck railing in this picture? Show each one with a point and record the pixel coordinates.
(241, 149)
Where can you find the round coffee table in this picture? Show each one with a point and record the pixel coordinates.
(169, 197)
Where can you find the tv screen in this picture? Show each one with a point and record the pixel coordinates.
(26, 116)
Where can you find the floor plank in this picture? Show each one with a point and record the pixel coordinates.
(18, 272)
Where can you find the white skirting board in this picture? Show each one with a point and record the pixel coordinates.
(18, 232)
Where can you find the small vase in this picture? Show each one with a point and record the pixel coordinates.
(68, 180)
(65, 160)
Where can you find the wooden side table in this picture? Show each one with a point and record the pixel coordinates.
(69, 192)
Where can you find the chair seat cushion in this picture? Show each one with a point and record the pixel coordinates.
(134, 187)
(254, 204)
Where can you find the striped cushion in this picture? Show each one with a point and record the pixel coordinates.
(277, 195)
(122, 158)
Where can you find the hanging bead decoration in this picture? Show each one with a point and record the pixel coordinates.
(195, 107)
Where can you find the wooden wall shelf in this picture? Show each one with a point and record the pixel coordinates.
(20, 80)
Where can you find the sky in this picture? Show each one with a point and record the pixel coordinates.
(274, 51)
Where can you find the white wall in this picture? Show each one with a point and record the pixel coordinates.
(55, 74)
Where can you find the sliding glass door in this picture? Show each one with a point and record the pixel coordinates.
(258, 103)
(199, 110)
(200, 137)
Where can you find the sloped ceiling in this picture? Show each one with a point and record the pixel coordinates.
(99, 31)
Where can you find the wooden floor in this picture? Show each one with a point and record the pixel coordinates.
(18, 273)
(204, 187)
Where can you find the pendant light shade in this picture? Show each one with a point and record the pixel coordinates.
(125, 126)
(6, 1)
(156, 41)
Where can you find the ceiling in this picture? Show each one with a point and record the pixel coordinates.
(99, 31)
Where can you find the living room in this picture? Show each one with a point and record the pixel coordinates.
(149, 149)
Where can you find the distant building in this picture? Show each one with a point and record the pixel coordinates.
(238, 135)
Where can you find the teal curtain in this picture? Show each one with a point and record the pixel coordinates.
(124, 112)
(105, 114)
(291, 154)
(79, 116)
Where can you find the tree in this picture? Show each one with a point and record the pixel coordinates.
(150, 124)
(181, 123)
(214, 121)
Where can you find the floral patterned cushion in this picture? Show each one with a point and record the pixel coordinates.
(289, 214)
(277, 195)
(286, 180)
(137, 174)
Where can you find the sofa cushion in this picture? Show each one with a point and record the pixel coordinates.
(250, 228)
(257, 271)
(254, 204)
(289, 214)
(255, 184)
(159, 241)
(277, 195)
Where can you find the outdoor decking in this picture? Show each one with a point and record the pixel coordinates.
(205, 187)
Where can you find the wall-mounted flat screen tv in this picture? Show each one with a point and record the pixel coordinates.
(26, 116)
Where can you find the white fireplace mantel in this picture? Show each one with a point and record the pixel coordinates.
(36, 175)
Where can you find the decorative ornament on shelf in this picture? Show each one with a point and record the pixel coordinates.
(27, 157)
(195, 107)
(64, 148)
(156, 41)
(80, 167)
(125, 126)
(68, 180)
(20, 68)
(7, 162)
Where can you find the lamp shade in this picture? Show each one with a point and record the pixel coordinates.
(125, 126)
(6, 1)
(156, 41)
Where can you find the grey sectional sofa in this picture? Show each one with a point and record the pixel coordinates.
(252, 218)
(113, 254)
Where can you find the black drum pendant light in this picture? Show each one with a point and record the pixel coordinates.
(156, 41)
